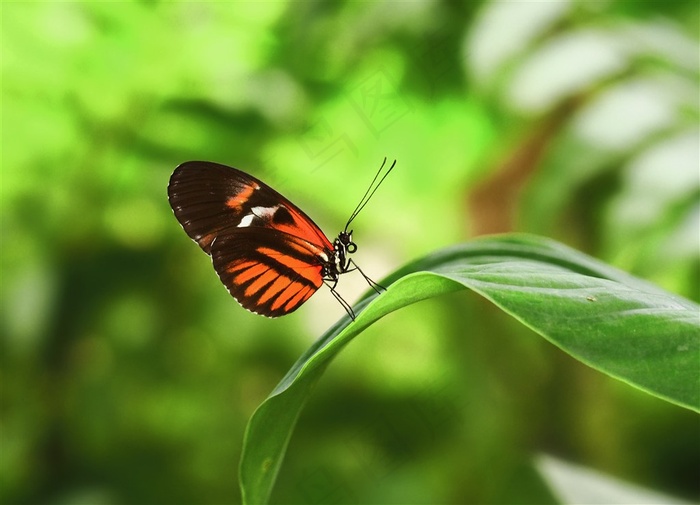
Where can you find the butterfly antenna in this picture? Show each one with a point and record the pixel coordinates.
(354, 212)
(370, 191)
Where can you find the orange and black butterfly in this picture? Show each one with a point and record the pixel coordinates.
(269, 254)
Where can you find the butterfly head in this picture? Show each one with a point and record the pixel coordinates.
(345, 242)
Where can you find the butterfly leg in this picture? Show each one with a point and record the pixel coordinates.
(374, 285)
(337, 296)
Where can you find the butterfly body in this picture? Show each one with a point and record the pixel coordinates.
(267, 252)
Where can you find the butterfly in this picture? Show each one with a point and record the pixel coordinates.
(268, 253)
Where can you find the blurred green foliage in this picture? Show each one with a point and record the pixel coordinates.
(128, 373)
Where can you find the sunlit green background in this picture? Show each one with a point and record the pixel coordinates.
(128, 373)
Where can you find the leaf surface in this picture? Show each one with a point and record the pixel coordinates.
(610, 320)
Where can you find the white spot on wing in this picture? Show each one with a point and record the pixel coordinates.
(246, 221)
(263, 213)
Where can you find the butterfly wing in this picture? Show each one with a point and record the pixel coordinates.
(268, 272)
(266, 251)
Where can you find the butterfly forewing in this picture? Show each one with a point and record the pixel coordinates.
(267, 252)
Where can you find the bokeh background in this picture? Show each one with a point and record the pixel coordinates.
(128, 373)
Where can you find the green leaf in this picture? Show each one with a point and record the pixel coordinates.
(615, 323)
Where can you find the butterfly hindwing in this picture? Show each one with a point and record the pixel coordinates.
(268, 272)
(266, 251)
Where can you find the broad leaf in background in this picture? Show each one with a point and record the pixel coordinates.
(613, 322)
